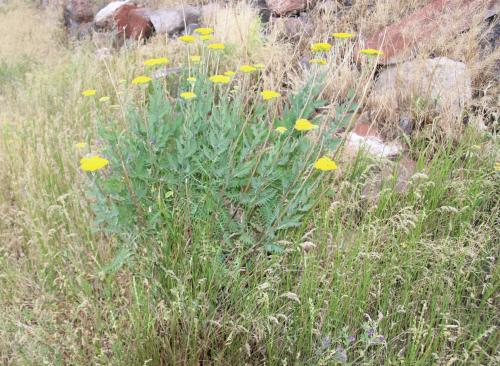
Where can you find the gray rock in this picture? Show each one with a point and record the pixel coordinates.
(174, 20)
(439, 83)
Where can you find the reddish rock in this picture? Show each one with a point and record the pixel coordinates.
(133, 22)
(440, 18)
(283, 7)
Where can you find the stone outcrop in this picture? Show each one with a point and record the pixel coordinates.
(440, 83)
(440, 18)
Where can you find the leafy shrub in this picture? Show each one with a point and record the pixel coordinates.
(212, 159)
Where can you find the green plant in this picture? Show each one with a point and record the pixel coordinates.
(219, 158)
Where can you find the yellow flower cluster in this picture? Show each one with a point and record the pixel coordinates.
(188, 95)
(219, 79)
(89, 92)
(269, 94)
(156, 61)
(247, 69)
(325, 164)
(141, 80)
(93, 163)
(304, 125)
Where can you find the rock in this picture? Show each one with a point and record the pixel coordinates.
(284, 7)
(77, 14)
(440, 18)
(295, 27)
(366, 137)
(104, 17)
(400, 171)
(173, 20)
(133, 22)
(440, 83)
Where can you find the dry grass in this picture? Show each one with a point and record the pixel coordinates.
(426, 260)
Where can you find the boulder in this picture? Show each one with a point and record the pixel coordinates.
(441, 84)
(105, 17)
(173, 20)
(440, 18)
(284, 7)
(133, 22)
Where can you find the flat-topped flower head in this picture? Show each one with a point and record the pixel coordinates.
(89, 92)
(269, 94)
(80, 145)
(204, 31)
(372, 52)
(321, 47)
(141, 80)
(188, 95)
(342, 35)
(93, 163)
(230, 73)
(247, 69)
(156, 61)
(187, 38)
(216, 46)
(207, 37)
(318, 61)
(104, 99)
(195, 59)
(219, 79)
(281, 129)
(303, 124)
(191, 79)
(259, 66)
(325, 164)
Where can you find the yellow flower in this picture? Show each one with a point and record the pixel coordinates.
(204, 31)
(141, 80)
(195, 59)
(497, 166)
(93, 163)
(372, 52)
(269, 94)
(216, 46)
(229, 73)
(188, 95)
(259, 66)
(219, 79)
(321, 47)
(191, 79)
(89, 92)
(281, 129)
(304, 125)
(342, 35)
(325, 164)
(104, 99)
(207, 37)
(156, 61)
(80, 145)
(318, 61)
(247, 69)
(187, 38)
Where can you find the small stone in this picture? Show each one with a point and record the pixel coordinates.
(284, 7)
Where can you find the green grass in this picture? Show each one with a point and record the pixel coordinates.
(412, 276)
